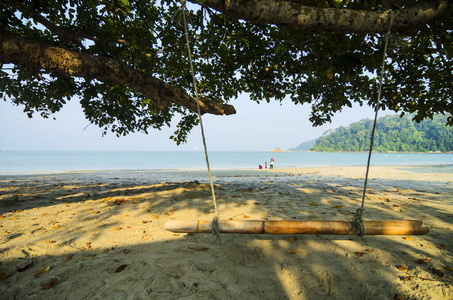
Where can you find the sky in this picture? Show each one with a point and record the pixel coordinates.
(255, 127)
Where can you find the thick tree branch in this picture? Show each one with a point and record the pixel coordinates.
(294, 15)
(17, 50)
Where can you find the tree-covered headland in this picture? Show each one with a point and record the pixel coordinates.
(393, 134)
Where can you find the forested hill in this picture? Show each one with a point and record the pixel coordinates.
(392, 134)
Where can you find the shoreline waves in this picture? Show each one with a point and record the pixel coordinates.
(62, 161)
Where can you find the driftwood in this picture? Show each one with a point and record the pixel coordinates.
(384, 227)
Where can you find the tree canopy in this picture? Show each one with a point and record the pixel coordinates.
(126, 61)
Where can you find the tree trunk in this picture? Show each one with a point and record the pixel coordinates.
(295, 15)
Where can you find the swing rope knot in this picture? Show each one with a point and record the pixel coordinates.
(357, 222)
(216, 228)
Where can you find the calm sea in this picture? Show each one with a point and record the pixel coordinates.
(63, 161)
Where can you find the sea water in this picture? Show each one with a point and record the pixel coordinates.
(65, 161)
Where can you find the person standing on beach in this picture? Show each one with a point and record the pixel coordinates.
(265, 165)
(271, 166)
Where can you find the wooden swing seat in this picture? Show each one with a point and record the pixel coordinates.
(382, 227)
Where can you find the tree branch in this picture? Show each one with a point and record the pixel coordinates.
(17, 50)
(38, 18)
(294, 15)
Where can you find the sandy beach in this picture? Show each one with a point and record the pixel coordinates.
(98, 235)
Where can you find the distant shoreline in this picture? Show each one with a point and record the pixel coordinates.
(383, 152)
(185, 174)
(57, 162)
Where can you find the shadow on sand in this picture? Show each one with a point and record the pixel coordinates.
(84, 227)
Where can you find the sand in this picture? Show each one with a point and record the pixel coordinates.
(98, 235)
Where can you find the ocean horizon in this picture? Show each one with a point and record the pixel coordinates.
(24, 161)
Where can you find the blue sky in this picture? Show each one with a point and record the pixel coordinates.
(255, 127)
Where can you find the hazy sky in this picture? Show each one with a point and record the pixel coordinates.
(255, 127)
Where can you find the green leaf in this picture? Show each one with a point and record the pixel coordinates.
(337, 3)
(448, 49)
(124, 3)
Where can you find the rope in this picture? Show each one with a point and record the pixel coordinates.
(215, 220)
(357, 221)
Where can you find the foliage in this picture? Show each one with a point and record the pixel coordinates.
(305, 146)
(393, 134)
(231, 56)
